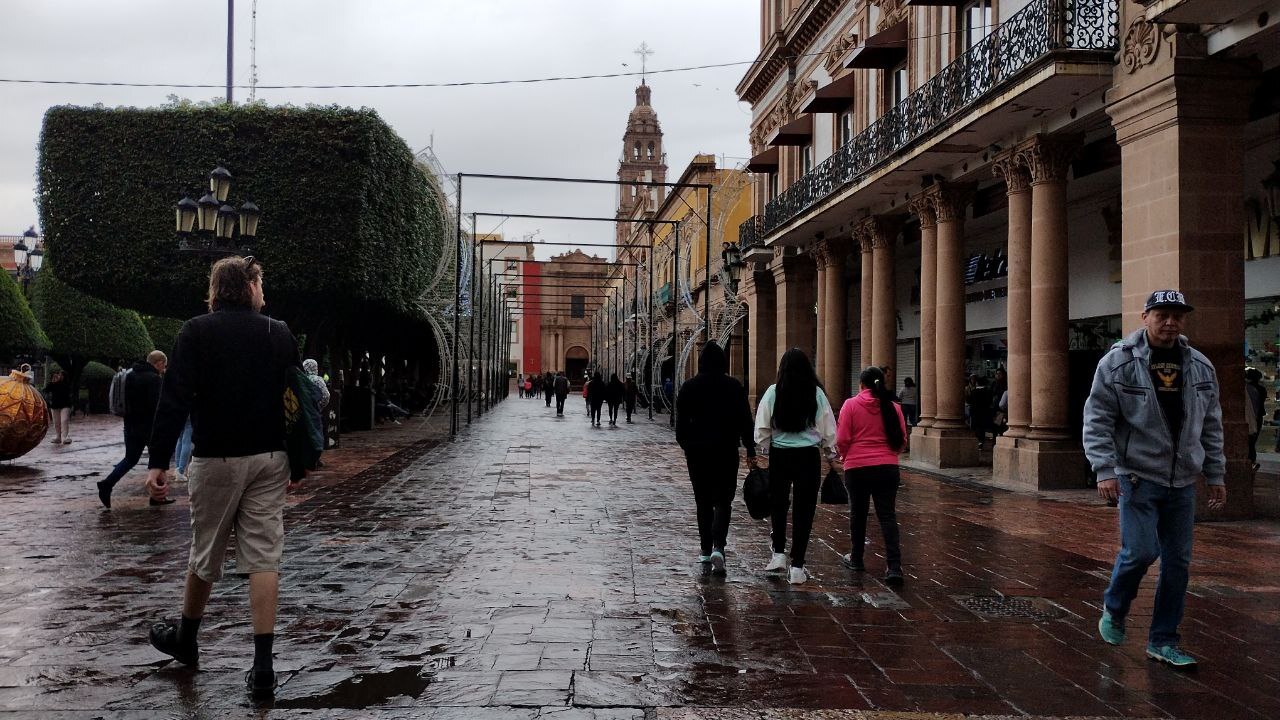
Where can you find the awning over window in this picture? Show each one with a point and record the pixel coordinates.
(796, 132)
(765, 162)
(884, 50)
(836, 96)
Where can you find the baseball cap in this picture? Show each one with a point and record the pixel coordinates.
(1167, 299)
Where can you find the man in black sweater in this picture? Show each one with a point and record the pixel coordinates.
(141, 394)
(229, 372)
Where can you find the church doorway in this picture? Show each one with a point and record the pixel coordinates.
(575, 364)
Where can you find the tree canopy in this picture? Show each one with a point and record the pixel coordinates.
(81, 327)
(19, 332)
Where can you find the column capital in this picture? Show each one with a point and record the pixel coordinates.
(923, 209)
(859, 235)
(1047, 158)
(949, 200)
(1009, 167)
(882, 230)
(820, 251)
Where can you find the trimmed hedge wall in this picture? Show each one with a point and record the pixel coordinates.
(19, 332)
(81, 327)
(348, 238)
(163, 332)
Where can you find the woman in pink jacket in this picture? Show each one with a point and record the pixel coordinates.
(870, 433)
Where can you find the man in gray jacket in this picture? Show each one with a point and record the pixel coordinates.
(1152, 427)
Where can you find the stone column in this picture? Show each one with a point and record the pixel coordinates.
(927, 382)
(832, 323)
(1017, 186)
(794, 277)
(819, 254)
(867, 304)
(759, 292)
(949, 443)
(1180, 117)
(882, 230)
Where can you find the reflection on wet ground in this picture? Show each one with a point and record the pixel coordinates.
(542, 568)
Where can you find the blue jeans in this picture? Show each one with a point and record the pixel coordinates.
(182, 455)
(1155, 522)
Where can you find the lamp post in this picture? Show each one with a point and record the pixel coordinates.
(211, 226)
(732, 257)
(28, 259)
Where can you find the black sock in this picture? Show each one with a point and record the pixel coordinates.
(262, 651)
(187, 629)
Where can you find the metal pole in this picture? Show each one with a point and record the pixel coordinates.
(231, 23)
(649, 336)
(706, 295)
(675, 334)
(457, 287)
(478, 290)
(471, 324)
(635, 314)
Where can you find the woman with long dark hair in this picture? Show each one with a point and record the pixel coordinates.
(870, 434)
(794, 427)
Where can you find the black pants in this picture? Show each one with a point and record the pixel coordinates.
(133, 446)
(631, 408)
(881, 483)
(613, 413)
(548, 398)
(714, 474)
(560, 404)
(800, 468)
(595, 413)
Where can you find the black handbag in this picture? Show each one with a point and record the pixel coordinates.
(755, 493)
(833, 489)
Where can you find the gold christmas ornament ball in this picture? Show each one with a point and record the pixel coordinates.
(23, 418)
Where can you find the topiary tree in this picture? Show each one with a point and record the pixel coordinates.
(19, 332)
(163, 332)
(81, 327)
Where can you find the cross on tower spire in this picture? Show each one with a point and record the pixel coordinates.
(644, 51)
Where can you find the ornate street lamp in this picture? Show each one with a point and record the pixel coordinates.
(213, 220)
(732, 257)
(28, 259)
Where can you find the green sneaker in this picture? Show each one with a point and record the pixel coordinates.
(1110, 629)
(1172, 655)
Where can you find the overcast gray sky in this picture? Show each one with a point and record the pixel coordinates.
(567, 128)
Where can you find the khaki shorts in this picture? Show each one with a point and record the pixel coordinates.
(241, 493)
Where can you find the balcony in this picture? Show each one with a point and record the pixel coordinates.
(1070, 30)
(751, 240)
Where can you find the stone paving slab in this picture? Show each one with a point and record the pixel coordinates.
(539, 568)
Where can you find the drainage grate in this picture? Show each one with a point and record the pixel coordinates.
(1004, 607)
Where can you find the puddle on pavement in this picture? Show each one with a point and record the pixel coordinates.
(365, 690)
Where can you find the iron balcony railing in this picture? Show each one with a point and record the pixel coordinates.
(750, 232)
(1042, 28)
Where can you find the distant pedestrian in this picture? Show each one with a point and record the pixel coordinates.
(142, 395)
(57, 393)
(796, 430)
(872, 430)
(910, 401)
(229, 373)
(613, 395)
(586, 387)
(629, 397)
(520, 385)
(548, 386)
(714, 417)
(562, 392)
(1255, 410)
(528, 388)
(1152, 427)
(978, 399)
(668, 390)
(596, 394)
(312, 369)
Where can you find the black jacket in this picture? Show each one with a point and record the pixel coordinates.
(614, 392)
(59, 394)
(562, 386)
(712, 411)
(596, 391)
(141, 396)
(229, 372)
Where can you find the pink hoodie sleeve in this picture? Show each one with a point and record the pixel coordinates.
(844, 428)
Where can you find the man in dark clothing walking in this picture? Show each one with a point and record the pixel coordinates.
(141, 394)
(548, 386)
(630, 397)
(562, 392)
(230, 370)
(713, 418)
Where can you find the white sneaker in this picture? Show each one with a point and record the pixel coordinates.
(717, 562)
(798, 576)
(778, 562)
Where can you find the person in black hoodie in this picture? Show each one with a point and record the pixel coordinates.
(629, 397)
(562, 392)
(229, 372)
(596, 392)
(613, 395)
(712, 418)
(141, 395)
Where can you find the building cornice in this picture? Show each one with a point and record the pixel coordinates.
(783, 47)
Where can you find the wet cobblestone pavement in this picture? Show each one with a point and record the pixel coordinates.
(541, 568)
